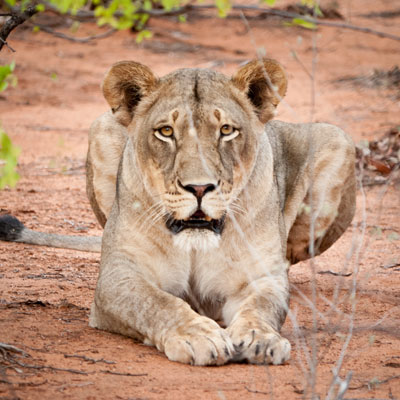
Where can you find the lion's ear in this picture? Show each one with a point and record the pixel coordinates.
(124, 86)
(264, 82)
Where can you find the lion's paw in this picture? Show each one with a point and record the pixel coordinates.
(258, 347)
(202, 343)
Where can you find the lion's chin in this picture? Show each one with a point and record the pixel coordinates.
(196, 239)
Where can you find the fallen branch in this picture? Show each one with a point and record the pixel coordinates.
(17, 17)
(11, 348)
(394, 265)
(32, 384)
(329, 272)
(92, 360)
(255, 391)
(121, 373)
(72, 371)
(370, 384)
(6, 349)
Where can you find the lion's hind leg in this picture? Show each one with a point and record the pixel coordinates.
(329, 204)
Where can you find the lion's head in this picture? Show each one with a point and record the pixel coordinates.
(195, 136)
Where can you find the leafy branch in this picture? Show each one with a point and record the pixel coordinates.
(134, 14)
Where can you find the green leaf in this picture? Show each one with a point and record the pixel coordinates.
(170, 4)
(269, 2)
(223, 6)
(303, 23)
(6, 76)
(182, 18)
(40, 7)
(3, 86)
(9, 157)
(147, 6)
(317, 11)
(144, 34)
(75, 26)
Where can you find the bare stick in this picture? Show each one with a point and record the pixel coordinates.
(255, 391)
(72, 371)
(335, 273)
(92, 360)
(17, 17)
(75, 39)
(5, 43)
(121, 373)
(11, 348)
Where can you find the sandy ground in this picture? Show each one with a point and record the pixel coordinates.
(45, 294)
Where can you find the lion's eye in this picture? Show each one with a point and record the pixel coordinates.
(227, 130)
(166, 131)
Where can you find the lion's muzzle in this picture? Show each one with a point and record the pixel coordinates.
(198, 220)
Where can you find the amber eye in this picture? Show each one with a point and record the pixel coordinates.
(166, 131)
(227, 129)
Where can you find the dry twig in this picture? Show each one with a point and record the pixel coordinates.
(11, 348)
(255, 391)
(86, 39)
(72, 371)
(92, 360)
(106, 371)
(335, 273)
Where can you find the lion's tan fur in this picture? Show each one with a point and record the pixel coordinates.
(271, 181)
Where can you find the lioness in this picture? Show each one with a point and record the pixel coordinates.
(205, 203)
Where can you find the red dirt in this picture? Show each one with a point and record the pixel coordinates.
(45, 293)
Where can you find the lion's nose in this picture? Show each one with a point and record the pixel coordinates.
(199, 190)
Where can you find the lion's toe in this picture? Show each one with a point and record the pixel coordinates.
(257, 347)
(206, 347)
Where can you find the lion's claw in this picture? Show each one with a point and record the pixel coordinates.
(202, 344)
(258, 347)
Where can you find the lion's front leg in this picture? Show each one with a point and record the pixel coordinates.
(257, 314)
(129, 303)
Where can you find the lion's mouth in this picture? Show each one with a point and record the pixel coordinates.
(198, 220)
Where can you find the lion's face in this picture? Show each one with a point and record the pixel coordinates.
(195, 138)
